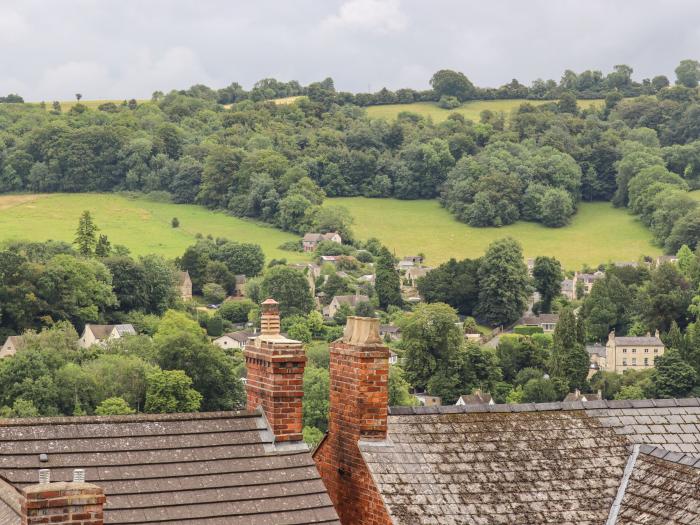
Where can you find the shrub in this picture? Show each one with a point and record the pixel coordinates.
(175, 223)
(522, 329)
(213, 293)
(291, 246)
(215, 326)
(114, 406)
(236, 311)
(448, 102)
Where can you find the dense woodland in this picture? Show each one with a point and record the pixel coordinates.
(277, 162)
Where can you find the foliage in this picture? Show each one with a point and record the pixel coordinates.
(547, 275)
(170, 391)
(315, 402)
(114, 406)
(288, 287)
(387, 283)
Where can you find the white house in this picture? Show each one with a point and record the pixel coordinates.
(11, 345)
(477, 398)
(99, 333)
(233, 340)
(338, 300)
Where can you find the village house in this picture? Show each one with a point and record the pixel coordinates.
(184, 285)
(99, 333)
(530, 263)
(393, 333)
(568, 289)
(339, 300)
(367, 279)
(311, 240)
(587, 280)
(415, 259)
(577, 395)
(239, 290)
(11, 345)
(414, 273)
(427, 400)
(665, 259)
(597, 354)
(233, 340)
(548, 322)
(476, 398)
(632, 353)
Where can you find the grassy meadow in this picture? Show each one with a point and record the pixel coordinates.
(598, 233)
(66, 105)
(470, 110)
(141, 225)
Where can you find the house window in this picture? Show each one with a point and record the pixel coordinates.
(634, 361)
(646, 350)
(624, 350)
(634, 350)
(624, 362)
(656, 350)
(646, 361)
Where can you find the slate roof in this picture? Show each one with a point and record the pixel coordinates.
(102, 331)
(533, 320)
(597, 349)
(639, 341)
(663, 488)
(351, 300)
(241, 337)
(213, 468)
(559, 463)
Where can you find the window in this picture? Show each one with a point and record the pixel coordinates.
(646, 361)
(624, 350)
(656, 350)
(634, 350)
(634, 361)
(646, 350)
(624, 362)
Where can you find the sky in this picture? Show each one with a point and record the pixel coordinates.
(120, 49)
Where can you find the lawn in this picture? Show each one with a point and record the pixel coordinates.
(599, 233)
(141, 225)
(470, 110)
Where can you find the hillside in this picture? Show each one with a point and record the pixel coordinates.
(597, 234)
(141, 225)
(470, 110)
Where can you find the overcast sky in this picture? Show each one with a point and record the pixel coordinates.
(51, 49)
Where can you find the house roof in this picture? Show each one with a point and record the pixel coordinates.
(389, 329)
(477, 398)
(598, 349)
(213, 468)
(102, 331)
(241, 337)
(567, 285)
(240, 279)
(531, 463)
(183, 277)
(640, 341)
(579, 396)
(313, 237)
(352, 300)
(539, 319)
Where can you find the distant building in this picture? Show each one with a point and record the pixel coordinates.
(635, 353)
(390, 331)
(597, 354)
(233, 340)
(427, 400)
(587, 279)
(415, 259)
(414, 273)
(578, 396)
(11, 345)
(339, 300)
(530, 265)
(367, 279)
(476, 398)
(393, 357)
(333, 259)
(548, 322)
(568, 289)
(240, 286)
(185, 285)
(662, 259)
(311, 240)
(99, 333)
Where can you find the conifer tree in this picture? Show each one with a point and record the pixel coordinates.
(86, 235)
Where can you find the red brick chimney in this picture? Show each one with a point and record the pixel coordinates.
(63, 503)
(359, 380)
(275, 375)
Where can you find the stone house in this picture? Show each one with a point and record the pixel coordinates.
(311, 240)
(390, 331)
(239, 290)
(414, 273)
(427, 400)
(99, 333)
(339, 300)
(184, 285)
(548, 322)
(636, 353)
(568, 289)
(233, 340)
(10, 346)
(414, 259)
(665, 259)
(576, 395)
(476, 398)
(598, 358)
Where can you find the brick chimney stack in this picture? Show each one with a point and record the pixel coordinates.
(359, 384)
(62, 504)
(275, 367)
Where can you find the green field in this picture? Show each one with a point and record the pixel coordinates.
(141, 225)
(66, 105)
(470, 110)
(599, 233)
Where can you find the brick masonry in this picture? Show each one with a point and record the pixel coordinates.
(63, 504)
(359, 379)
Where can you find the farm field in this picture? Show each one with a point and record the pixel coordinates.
(141, 225)
(470, 110)
(66, 105)
(598, 233)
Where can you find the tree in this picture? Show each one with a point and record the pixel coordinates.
(315, 402)
(241, 258)
(673, 377)
(213, 293)
(503, 283)
(85, 235)
(175, 222)
(431, 339)
(452, 84)
(544, 390)
(548, 276)
(171, 391)
(387, 282)
(128, 282)
(114, 406)
(399, 394)
(567, 103)
(290, 288)
(103, 247)
(557, 207)
(569, 360)
(688, 73)
(78, 96)
(455, 283)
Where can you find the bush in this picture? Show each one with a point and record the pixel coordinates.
(114, 406)
(213, 293)
(448, 102)
(215, 326)
(291, 246)
(522, 329)
(175, 223)
(236, 311)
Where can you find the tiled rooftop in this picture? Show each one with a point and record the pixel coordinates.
(181, 468)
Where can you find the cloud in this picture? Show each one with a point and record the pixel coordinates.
(377, 16)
